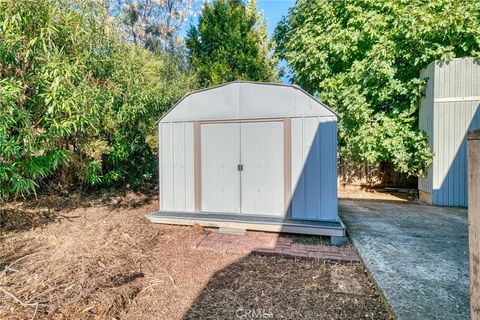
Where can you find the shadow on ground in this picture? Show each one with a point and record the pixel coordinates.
(259, 287)
(418, 255)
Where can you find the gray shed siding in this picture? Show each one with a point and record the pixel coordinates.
(176, 167)
(314, 167)
(446, 115)
(259, 107)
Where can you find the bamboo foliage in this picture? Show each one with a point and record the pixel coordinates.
(77, 103)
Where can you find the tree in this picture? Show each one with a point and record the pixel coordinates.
(77, 102)
(363, 58)
(153, 24)
(230, 43)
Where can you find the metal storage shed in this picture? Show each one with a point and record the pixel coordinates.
(449, 108)
(247, 155)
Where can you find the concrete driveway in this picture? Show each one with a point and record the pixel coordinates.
(417, 254)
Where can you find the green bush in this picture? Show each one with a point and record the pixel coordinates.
(77, 103)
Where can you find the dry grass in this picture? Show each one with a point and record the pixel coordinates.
(284, 289)
(100, 258)
(361, 192)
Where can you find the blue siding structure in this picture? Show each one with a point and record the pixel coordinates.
(449, 109)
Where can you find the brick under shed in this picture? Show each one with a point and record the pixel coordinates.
(272, 244)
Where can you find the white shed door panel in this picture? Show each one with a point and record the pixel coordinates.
(220, 153)
(262, 178)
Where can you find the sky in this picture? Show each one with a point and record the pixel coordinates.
(273, 11)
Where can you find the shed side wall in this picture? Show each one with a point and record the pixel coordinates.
(176, 167)
(314, 168)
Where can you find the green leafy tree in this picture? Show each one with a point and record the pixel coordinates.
(363, 58)
(230, 43)
(77, 102)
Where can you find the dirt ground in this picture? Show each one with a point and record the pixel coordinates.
(100, 258)
(359, 192)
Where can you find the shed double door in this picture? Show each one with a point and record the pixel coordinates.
(242, 167)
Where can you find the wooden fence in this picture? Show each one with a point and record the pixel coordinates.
(380, 175)
(474, 220)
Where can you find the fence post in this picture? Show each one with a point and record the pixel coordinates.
(474, 220)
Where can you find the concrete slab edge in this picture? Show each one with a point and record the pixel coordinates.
(390, 311)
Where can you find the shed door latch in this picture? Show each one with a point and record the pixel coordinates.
(240, 167)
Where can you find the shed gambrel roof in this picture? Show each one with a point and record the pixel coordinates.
(247, 100)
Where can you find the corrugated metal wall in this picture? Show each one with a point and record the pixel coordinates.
(453, 120)
(456, 110)
(314, 168)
